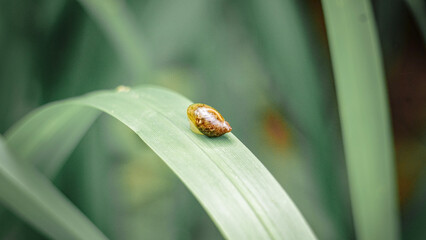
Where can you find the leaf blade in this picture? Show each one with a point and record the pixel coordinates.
(240, 195)
(363, 107)
(34, 198)
(116, 20)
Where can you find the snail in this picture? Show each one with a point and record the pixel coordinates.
(206, 120)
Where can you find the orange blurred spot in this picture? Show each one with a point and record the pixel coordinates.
(276, 130)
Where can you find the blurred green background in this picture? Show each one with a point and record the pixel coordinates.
(269, 58)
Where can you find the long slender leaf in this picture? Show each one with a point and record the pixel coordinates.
(41, 149)
(418, 8)
(116, 20)
(300, 76)
(364, 115)
(34, 198)
(47, 128)
(239, 194)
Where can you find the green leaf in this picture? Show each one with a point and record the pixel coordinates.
(364, 116)
(33, 197)
(47, 127)
(240, 195)
(118, 23)
(418, 8)
(300, 75)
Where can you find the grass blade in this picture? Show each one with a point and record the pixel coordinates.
(301, 85)
(240, 195)
(35, 199)
(46, 128)
(115, 19)
(364, 116)
(418, 8)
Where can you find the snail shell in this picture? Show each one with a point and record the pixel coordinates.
(206, 120)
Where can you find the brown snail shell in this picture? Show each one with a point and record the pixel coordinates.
(206, 120)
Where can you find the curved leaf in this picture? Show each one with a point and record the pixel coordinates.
(47, 127)
(34, 198)
(241, 196)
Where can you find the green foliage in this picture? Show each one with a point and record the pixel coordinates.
(33, 197)
(242, 197)
(264, 65)
(116, 20)
(364, 116)
(418, 8)
(302, 81)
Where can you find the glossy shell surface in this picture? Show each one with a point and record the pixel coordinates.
(206, 120)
